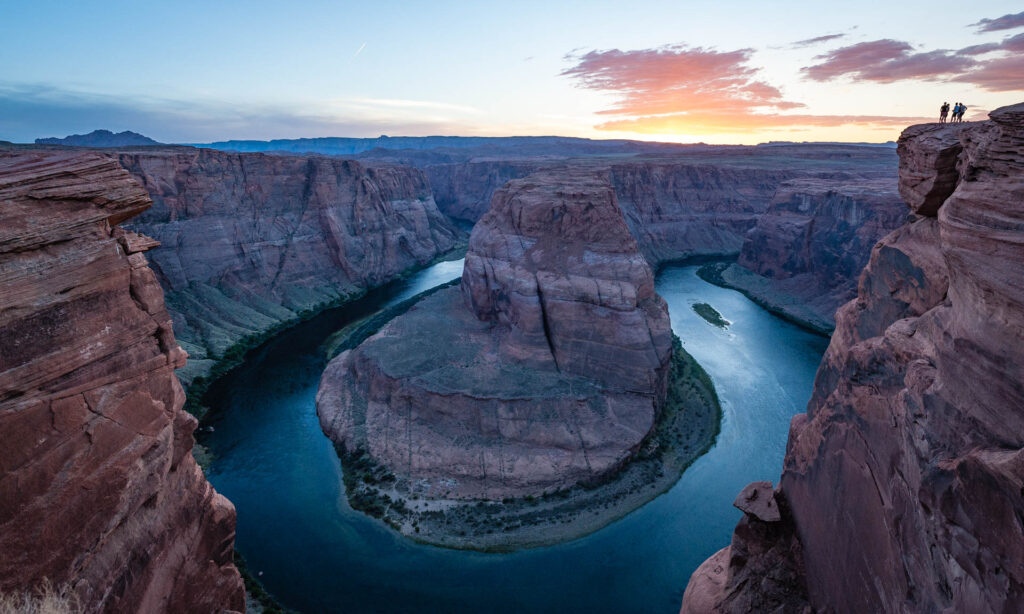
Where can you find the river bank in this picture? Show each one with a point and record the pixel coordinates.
(685, 429)
(728, 274)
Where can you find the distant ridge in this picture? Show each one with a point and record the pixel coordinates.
(100, 138)
(523, 145)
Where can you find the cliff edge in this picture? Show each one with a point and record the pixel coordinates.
(903, 484)
(98, 487)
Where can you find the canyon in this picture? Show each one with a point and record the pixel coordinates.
(98, 487)
(908, 460)
(554, 339)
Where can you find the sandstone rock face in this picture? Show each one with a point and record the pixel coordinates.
(680, 210)
(547, 366)
(98, 487)
(251, 240)
(807, 250)
(464, 190)
(909, 462)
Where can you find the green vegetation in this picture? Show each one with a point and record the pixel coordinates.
(711, 314)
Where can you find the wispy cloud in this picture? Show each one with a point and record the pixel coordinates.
(394, 103)
(1006, 22)
(817, 40)
(695, 90)
(888, 61)
(358, 51)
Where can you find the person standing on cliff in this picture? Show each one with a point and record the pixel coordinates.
(956, 111)
(943, 112)
(960, 115)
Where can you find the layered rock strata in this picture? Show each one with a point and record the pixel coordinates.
(903, 487)
(249, 241)
(804, 255)
(546, 367)
(98, 487)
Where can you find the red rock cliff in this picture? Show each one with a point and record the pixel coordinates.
(903, 486)
(251, 240)
(98, 487)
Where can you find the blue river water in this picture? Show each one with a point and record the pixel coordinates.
(318, 555)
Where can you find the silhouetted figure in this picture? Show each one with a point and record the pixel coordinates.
(956, 112)
(943, 112)
(963, 109)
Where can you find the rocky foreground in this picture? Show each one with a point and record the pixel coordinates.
(547, 366)
(98, 487)
(903, 486)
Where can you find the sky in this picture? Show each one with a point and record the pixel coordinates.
(683, 70)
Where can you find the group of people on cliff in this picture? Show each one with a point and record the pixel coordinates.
(958, 112)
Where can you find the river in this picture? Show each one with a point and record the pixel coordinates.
(317, 555)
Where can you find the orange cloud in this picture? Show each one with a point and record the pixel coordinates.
(694, 90)
(738, 123)
(675, 78)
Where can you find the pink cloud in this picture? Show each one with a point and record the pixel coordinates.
(886, 61)
(1005, 74)
(674, 78)
(1006, 22)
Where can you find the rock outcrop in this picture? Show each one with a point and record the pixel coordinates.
(546, 367)
(249, 241)
(903, 486)
(98, 487)
(803, 256)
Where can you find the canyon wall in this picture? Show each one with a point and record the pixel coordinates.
(678, 210)
(804, 254)
(903, 484)
(546, 367)
(98, 487)
(249, 241)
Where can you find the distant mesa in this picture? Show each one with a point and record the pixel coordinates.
(101, 138)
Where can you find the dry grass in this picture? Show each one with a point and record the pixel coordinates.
(44, 599)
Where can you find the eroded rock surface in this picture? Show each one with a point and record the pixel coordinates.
(804, 255)
(547, 366)
(98, 487)
(250, 240)
(904, 481)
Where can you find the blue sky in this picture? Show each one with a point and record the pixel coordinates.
(202, 71)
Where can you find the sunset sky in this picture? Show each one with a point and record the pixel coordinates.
(718, 72)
